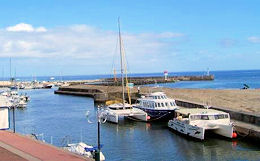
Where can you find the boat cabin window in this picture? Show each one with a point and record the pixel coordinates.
(195, 117)
(159, 105)
(162, 104)
(151, 105)
(204, 117)
(208, 117)
(211, 117)
(173, 104)
(119, 108)
(221, 116)
(166, 104)
(155, 104)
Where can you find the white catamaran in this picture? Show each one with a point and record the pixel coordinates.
(122, 109)
(196, 122)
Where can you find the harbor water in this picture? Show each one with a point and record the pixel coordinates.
(61, 119)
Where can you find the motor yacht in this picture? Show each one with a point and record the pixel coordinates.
(157, 105)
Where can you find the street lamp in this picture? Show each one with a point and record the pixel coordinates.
(101, 118)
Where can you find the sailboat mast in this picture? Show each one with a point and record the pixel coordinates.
(121, 58)
(10, 68)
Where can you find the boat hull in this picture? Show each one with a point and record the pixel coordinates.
(193, 131)
(112, 118)
(225, 130)
(199, 132)
(47, 86)
(158, 115)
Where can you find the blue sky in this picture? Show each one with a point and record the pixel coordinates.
(79, 37)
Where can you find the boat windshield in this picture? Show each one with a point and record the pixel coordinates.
(208, 117)
(119, 108)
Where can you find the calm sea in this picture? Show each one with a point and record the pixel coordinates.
(61, 119)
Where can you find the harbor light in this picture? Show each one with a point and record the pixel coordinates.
(165, 74)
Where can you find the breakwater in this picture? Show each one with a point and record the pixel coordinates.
(154, 80)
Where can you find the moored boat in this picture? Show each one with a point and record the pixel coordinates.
(196, 122)
(47, 86)
(157, 105)
(116, 111)
(84, 150)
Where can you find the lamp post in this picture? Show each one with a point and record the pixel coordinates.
(97, 153)
(100, 116)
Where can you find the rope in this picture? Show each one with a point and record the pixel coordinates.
(243, 135)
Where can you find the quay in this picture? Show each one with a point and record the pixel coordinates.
(242, 105)
(16, 147)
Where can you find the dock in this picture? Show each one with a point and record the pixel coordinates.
(242, 105)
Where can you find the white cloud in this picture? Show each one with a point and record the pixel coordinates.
(80, 42)
(23, 27)
(254, 39)
(40, 29)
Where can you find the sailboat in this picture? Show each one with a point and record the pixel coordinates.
(122, 109)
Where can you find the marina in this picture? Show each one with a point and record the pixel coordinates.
(129, 139)
(129, 80)
(73, 120)
(189, 98)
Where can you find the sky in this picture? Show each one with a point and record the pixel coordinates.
(80, 37)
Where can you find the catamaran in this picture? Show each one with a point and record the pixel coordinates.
(122, 109)
(196, 122)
